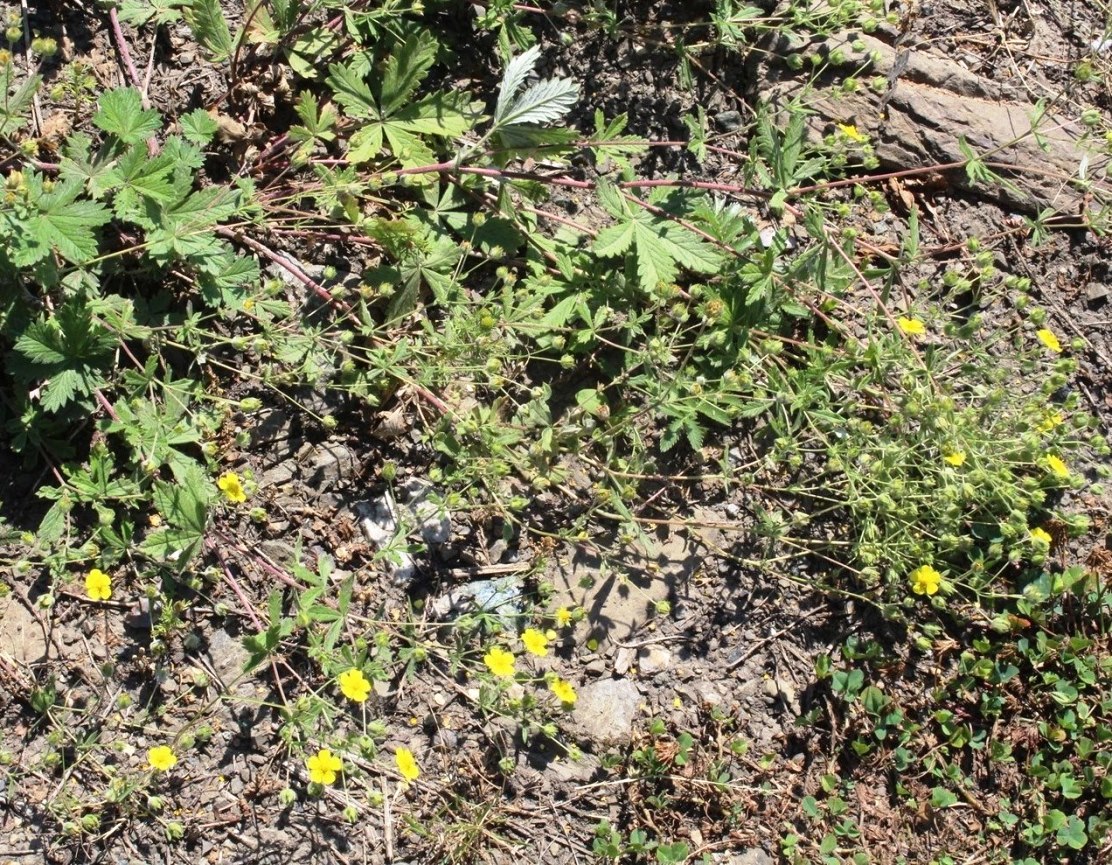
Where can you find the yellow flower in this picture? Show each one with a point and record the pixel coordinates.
(403, 758)
(850, 132)
(1051, 420)
(563, 617)
(98, 585)
(1057, 466)
(564, 692)
(910, 326)
(925, 580)
(354, 685)
(1047, 338)
(161, 758)
(500, 662)
(954, 458)
(1041, 536)
(323, 767)
(535, 642)
(232, 487)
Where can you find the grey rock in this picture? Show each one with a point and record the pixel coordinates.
(21, 636)
(276, 476)
(575, 771)
(653, 659)
(428, 511)
(623, 660)
(504, 597)
(751, 856)
(728, 121)
(385, 522)
(605, 710)
(379, 520)
(228, 657)
(328, 464)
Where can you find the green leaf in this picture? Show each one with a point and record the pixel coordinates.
(615, 240)
(207, 22)
(122, 114)
(544, 102)
(140, 177)
(943, 798)
(672, 854)
(198, 126)
(1073, 834)
(67, 352)
(63, 224)
(139, 12)
(660, 244)
(405, 70)
(13, 110)
(351, 91)
(94, 173)
(317, 123)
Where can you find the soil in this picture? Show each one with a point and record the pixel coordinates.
(734, 657)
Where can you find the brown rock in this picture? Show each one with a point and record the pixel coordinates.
(931, 105)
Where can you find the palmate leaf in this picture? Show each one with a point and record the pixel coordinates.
(207, 22)
(198, 126)
(63, 224)
(138, 177)
(94, 173)
(544, 102)
(517, 70)
(68, 353)
(405, 70)
(184, 505)
(441, 114)
(351, 90)
(122, 114)
(661, 247)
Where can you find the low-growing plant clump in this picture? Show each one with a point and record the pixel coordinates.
(558, 335)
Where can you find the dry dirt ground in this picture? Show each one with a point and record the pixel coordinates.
(733, 659)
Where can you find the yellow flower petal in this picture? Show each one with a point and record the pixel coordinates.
(564, 692)
(407, 765)
(323, 767)
(354, 685)
(910, 326)
(925, 580)
(499, 662)
(954, 458)
(161, 758)
(1051, 419)
(98, 585)
(850, 131)
(1047, 338)
(1041, 536)
(1057, 466)
(232, 487)
(563, 617)
(535, 642)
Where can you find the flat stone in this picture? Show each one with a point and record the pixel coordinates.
(751, 856)
(21, 637)
(605, 710)
(228, 657)
(620, 598)
(934, 104)
(653, 659)
(504, 597)
(328, 464)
